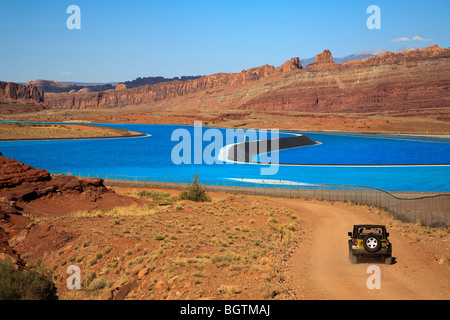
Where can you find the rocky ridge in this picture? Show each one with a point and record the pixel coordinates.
(149, 94)
(401, 83)
(26, 191)
(390, 81)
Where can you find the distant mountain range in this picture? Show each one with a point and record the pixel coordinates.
(56, 87)
(154, 80)
(82, 87)
(359, 55)
(408, 83)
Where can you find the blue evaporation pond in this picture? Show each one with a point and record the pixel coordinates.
(366, 149)
(151, 156)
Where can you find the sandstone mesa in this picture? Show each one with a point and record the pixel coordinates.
(396, 81)
(402, 83)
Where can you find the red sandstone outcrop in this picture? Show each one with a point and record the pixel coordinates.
(149, 94)
(14, 173)
(11, 92)
(416, 79)
(121, 86)
(323, 61)
(290, 65)
(324, 57)
(25, 191)
(402, 83)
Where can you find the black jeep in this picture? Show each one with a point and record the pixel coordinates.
(367, 239)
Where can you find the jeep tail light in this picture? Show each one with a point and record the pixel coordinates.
(355, 242)
(387, 242)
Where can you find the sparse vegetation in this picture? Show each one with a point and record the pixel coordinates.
(201, 243)
(156, 195)
(231, 246)
(195, 192)
(33, 284)
(97, 284)
(20, 130)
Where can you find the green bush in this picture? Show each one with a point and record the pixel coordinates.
(33, 284)
(195, 192)
(96, 284)
(154, 195)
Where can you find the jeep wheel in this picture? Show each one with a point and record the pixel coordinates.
(372, 243)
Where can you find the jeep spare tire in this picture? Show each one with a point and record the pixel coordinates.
(372, 243)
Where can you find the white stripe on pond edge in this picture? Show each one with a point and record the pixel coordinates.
(269, 181)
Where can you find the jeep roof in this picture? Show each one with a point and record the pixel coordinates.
(370, 225)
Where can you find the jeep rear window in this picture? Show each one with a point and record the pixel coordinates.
(362, 231)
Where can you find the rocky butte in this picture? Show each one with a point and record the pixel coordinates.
(15, 97)
(11, 92)
(402, 83)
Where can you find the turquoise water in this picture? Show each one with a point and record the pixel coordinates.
(151, 156)
(366, 149)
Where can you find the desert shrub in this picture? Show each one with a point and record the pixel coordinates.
(158, 236)
(154, 195)
(97, 284)
(88, 278)
(195, 192)
(271, 290)
(33, 284)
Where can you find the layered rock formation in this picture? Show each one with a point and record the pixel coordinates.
(121, 86)
(322, 61)
(21, 184)
(26, 191)
(150, 94)
(17, 98)
(11, 92)
(400, 83)
(416, 79)
(290, 65)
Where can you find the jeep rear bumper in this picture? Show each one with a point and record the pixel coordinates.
(384, 252)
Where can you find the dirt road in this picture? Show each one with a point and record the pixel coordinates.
(320, 267)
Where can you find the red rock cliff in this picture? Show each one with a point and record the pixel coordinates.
(391, 82)
(414, 79)
(11, 92)
(150, 94)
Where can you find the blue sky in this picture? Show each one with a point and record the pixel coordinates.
(123, 40)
